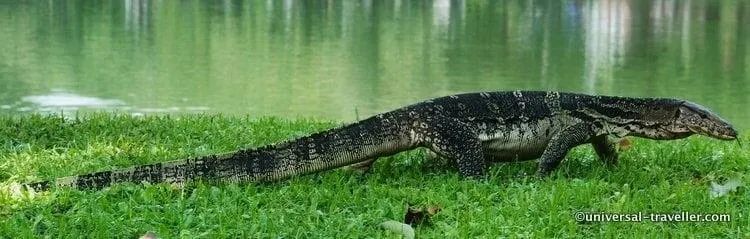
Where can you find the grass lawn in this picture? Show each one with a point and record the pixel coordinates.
(653, 177)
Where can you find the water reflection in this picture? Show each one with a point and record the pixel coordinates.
(64, 99)
(64, 103)
(136, 15)
(333, 58)
(67, 103)
(607, 27)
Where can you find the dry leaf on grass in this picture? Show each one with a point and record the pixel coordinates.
(625, 144)
(416, 215)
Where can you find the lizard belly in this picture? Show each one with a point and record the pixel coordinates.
(517, 142)
(514, 150)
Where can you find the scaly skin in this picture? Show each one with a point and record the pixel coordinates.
(471, 129)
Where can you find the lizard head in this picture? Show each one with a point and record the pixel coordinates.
(691, 118)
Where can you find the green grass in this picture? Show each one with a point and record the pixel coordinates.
(653, 177)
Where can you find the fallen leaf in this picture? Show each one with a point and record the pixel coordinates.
(416, 215)
(718, 190)
(432, 210)
(397, 227)
(625, 144)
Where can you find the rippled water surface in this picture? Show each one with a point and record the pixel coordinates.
(337, 59)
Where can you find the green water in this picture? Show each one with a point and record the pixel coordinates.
(339, 59)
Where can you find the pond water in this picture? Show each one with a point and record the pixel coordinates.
(340, 59)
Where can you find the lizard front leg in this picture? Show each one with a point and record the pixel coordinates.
(606, 148)
(560, 144)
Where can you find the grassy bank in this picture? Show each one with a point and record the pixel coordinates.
(653, 177)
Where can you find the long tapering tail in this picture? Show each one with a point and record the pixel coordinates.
(366, 139)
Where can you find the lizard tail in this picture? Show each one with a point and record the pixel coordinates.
(367, 139)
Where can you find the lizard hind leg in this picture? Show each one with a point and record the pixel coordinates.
(559, 146)
(363, 167)
(453, 140)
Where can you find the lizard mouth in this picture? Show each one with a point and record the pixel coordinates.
(724, 134)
